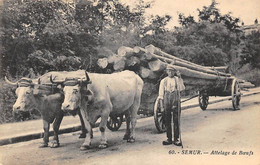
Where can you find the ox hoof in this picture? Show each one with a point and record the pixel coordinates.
(82, 135)
(83, 148)
(102, 146)
(126, 137)
(43, 145)
(55, 144)
(131, 140)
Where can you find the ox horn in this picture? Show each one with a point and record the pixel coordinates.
(88, 79)
(56, 81)
(11, 83)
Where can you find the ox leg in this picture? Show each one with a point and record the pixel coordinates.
(56, 127)
(132, 129)
(87, 142)
(127, 133)
(133, 112)
(83, 128)
(102, 128)
(46, 127)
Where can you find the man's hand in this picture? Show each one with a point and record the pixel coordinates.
(161, 105)
(178, 74)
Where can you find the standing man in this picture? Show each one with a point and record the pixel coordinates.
(170, 101)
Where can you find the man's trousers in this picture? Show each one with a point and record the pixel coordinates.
(172, 111)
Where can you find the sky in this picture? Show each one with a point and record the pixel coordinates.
(246, 10)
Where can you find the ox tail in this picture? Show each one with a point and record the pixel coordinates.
(135, 107)
(140, 83)
(139, 89)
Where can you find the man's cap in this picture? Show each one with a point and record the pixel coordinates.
(170, 67)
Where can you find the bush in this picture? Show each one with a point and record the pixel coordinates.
(7, 99)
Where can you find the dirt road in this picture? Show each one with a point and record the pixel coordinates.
(218, 135)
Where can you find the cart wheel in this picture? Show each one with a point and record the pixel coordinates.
(114, 122)
(203, 101)
(158, 117)
(236, 95)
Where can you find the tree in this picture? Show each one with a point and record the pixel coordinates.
(211, 13)
(251, 50)
(36, 33)
(186, 21)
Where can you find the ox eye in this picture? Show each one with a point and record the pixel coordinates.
(75, 91)
(28, 93)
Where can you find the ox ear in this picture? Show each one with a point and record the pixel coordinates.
(36, 91)
(88, 95)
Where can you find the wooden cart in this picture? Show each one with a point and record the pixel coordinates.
(150, 62)
(231, 88)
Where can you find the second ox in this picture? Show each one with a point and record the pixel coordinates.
(45, 97)
(101, 95)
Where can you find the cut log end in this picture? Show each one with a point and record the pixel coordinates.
(151, 48)
(119, 65)
(147, 73)
(156, 65)
(125, 51)
(102, 63)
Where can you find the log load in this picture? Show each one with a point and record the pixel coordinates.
(150, 63)
(180, 62)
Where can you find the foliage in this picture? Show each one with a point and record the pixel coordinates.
(186, 21)
(7, 99)
(213, 40)
(251, 50)
(211, 13)
(46, 30)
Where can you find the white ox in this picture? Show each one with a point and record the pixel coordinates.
(45, 97)
(104, 95)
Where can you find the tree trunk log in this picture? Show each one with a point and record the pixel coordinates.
(132, 61)
(144, 72)
(200, 81)
(193, 67)
(177, 61)
(125, 51)
(102, 63)
(156, 65)
(112, 59)
(218, 68)
(246, 85)
(119, 64)
(104, 52)
(147, 73)
(138, 49)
